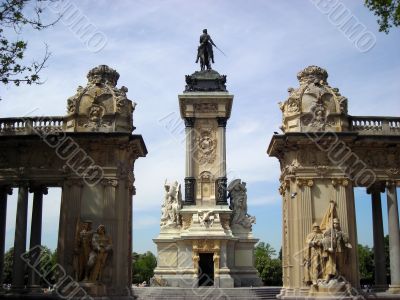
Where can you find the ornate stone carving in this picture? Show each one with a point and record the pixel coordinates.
(100, 106)
(101, 249)
(327, 253)
(109, 182)
(171, 207)
(221, 189)
(206, 146)
(313, 261)
(238, 203)
(208, 80)
(83, 240)
(205, 107)
(305, 182)
(225, 221)
(207, 218)
(186, 221)
(313, 104)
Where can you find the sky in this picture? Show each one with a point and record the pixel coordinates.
(152, 44)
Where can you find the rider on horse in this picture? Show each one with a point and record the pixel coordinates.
(206, 44)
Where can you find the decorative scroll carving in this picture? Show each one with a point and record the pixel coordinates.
(171, 207)
(110, 182)
(238, 203)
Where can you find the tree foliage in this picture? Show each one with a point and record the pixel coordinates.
(268, 266)
(387, 11)
(143, 266)
(47, 261)
(366, 265)
(15, 15)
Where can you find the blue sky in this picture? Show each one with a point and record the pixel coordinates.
(152, 44)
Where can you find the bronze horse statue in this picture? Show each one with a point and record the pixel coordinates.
(204, 57)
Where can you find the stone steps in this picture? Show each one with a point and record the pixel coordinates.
(167, 293)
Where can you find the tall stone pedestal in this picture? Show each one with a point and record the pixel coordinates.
(204, 240)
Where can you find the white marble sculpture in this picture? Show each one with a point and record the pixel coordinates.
(238, 196)
(172, 204)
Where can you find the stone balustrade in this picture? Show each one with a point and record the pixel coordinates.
(375, 125)
(31, 125)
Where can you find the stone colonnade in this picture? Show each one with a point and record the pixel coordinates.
(20, 237)
(394, 235)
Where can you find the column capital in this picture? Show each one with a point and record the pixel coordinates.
(38, 189)
(222, 121)
(378, 187)
(6, 189)
(305, 182)
(74, 181)
(390, 183)
(340, 181)
(285, 184)
(109, 182)
(189, 121)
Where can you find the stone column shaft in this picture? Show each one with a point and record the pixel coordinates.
(394, 238)
(20, 238)
(3, 219)
(36, 232)
(221, 182)
(379, 242)
(190, 181)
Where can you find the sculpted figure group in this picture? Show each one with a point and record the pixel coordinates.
(326, 255)
(238, 196)
(172, 204)
(92, 249)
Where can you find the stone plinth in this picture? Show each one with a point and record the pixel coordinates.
(204, 223)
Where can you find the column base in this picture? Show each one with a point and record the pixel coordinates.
(394, 289)
(380, 288)
(34, 289)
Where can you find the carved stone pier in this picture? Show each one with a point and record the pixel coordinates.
(324, 153)
(203, 240)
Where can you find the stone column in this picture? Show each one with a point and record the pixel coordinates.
(4, 191)
(18, 281)
(305, 219)
(379, 241)
(190, 181)
(394, 237)
(221, 182)
(36, 234)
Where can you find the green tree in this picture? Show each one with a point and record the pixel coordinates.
(366, 265)
(8, 264)
(15, 15)
(387, 11)
(268, 266)
(143, 266)
(47, 260)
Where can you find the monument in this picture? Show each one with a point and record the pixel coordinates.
(204, 240)
(324, 153)
(89, 153)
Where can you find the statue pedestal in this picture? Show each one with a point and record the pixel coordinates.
(94, 289)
